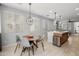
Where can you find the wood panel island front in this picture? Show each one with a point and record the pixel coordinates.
(60, 38)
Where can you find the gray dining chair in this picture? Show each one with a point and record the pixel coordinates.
(40, 40)
(26, 45)
(18, 41)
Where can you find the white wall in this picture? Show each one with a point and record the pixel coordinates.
(49, 25)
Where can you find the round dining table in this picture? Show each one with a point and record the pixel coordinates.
(31, 39)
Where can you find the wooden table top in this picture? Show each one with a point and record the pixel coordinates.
(30, 37)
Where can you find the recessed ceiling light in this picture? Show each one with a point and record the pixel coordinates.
(76, 9)
(50, 11)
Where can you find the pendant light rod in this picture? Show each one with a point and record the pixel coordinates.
(60, 17)
(55, 15)
(29, 10)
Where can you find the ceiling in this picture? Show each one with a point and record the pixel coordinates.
(65, 10)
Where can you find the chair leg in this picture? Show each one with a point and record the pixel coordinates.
(42, 45)
(16, 48)
(29, 51)
(19, 45)
(37, 45)
(25, 49)
(33, 50)
(22, 51)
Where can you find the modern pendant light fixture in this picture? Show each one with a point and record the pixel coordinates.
(29, 20)
(69, 20)
(56, 20)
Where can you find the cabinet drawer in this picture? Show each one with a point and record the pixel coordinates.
(56, 41)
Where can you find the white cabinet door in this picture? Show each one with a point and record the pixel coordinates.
(50, 37)
(8, 21)
(19, 22)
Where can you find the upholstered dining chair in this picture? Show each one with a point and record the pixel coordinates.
(40, 40)
(26, 45)
(18, 41)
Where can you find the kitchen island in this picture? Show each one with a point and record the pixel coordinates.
(58, 38)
